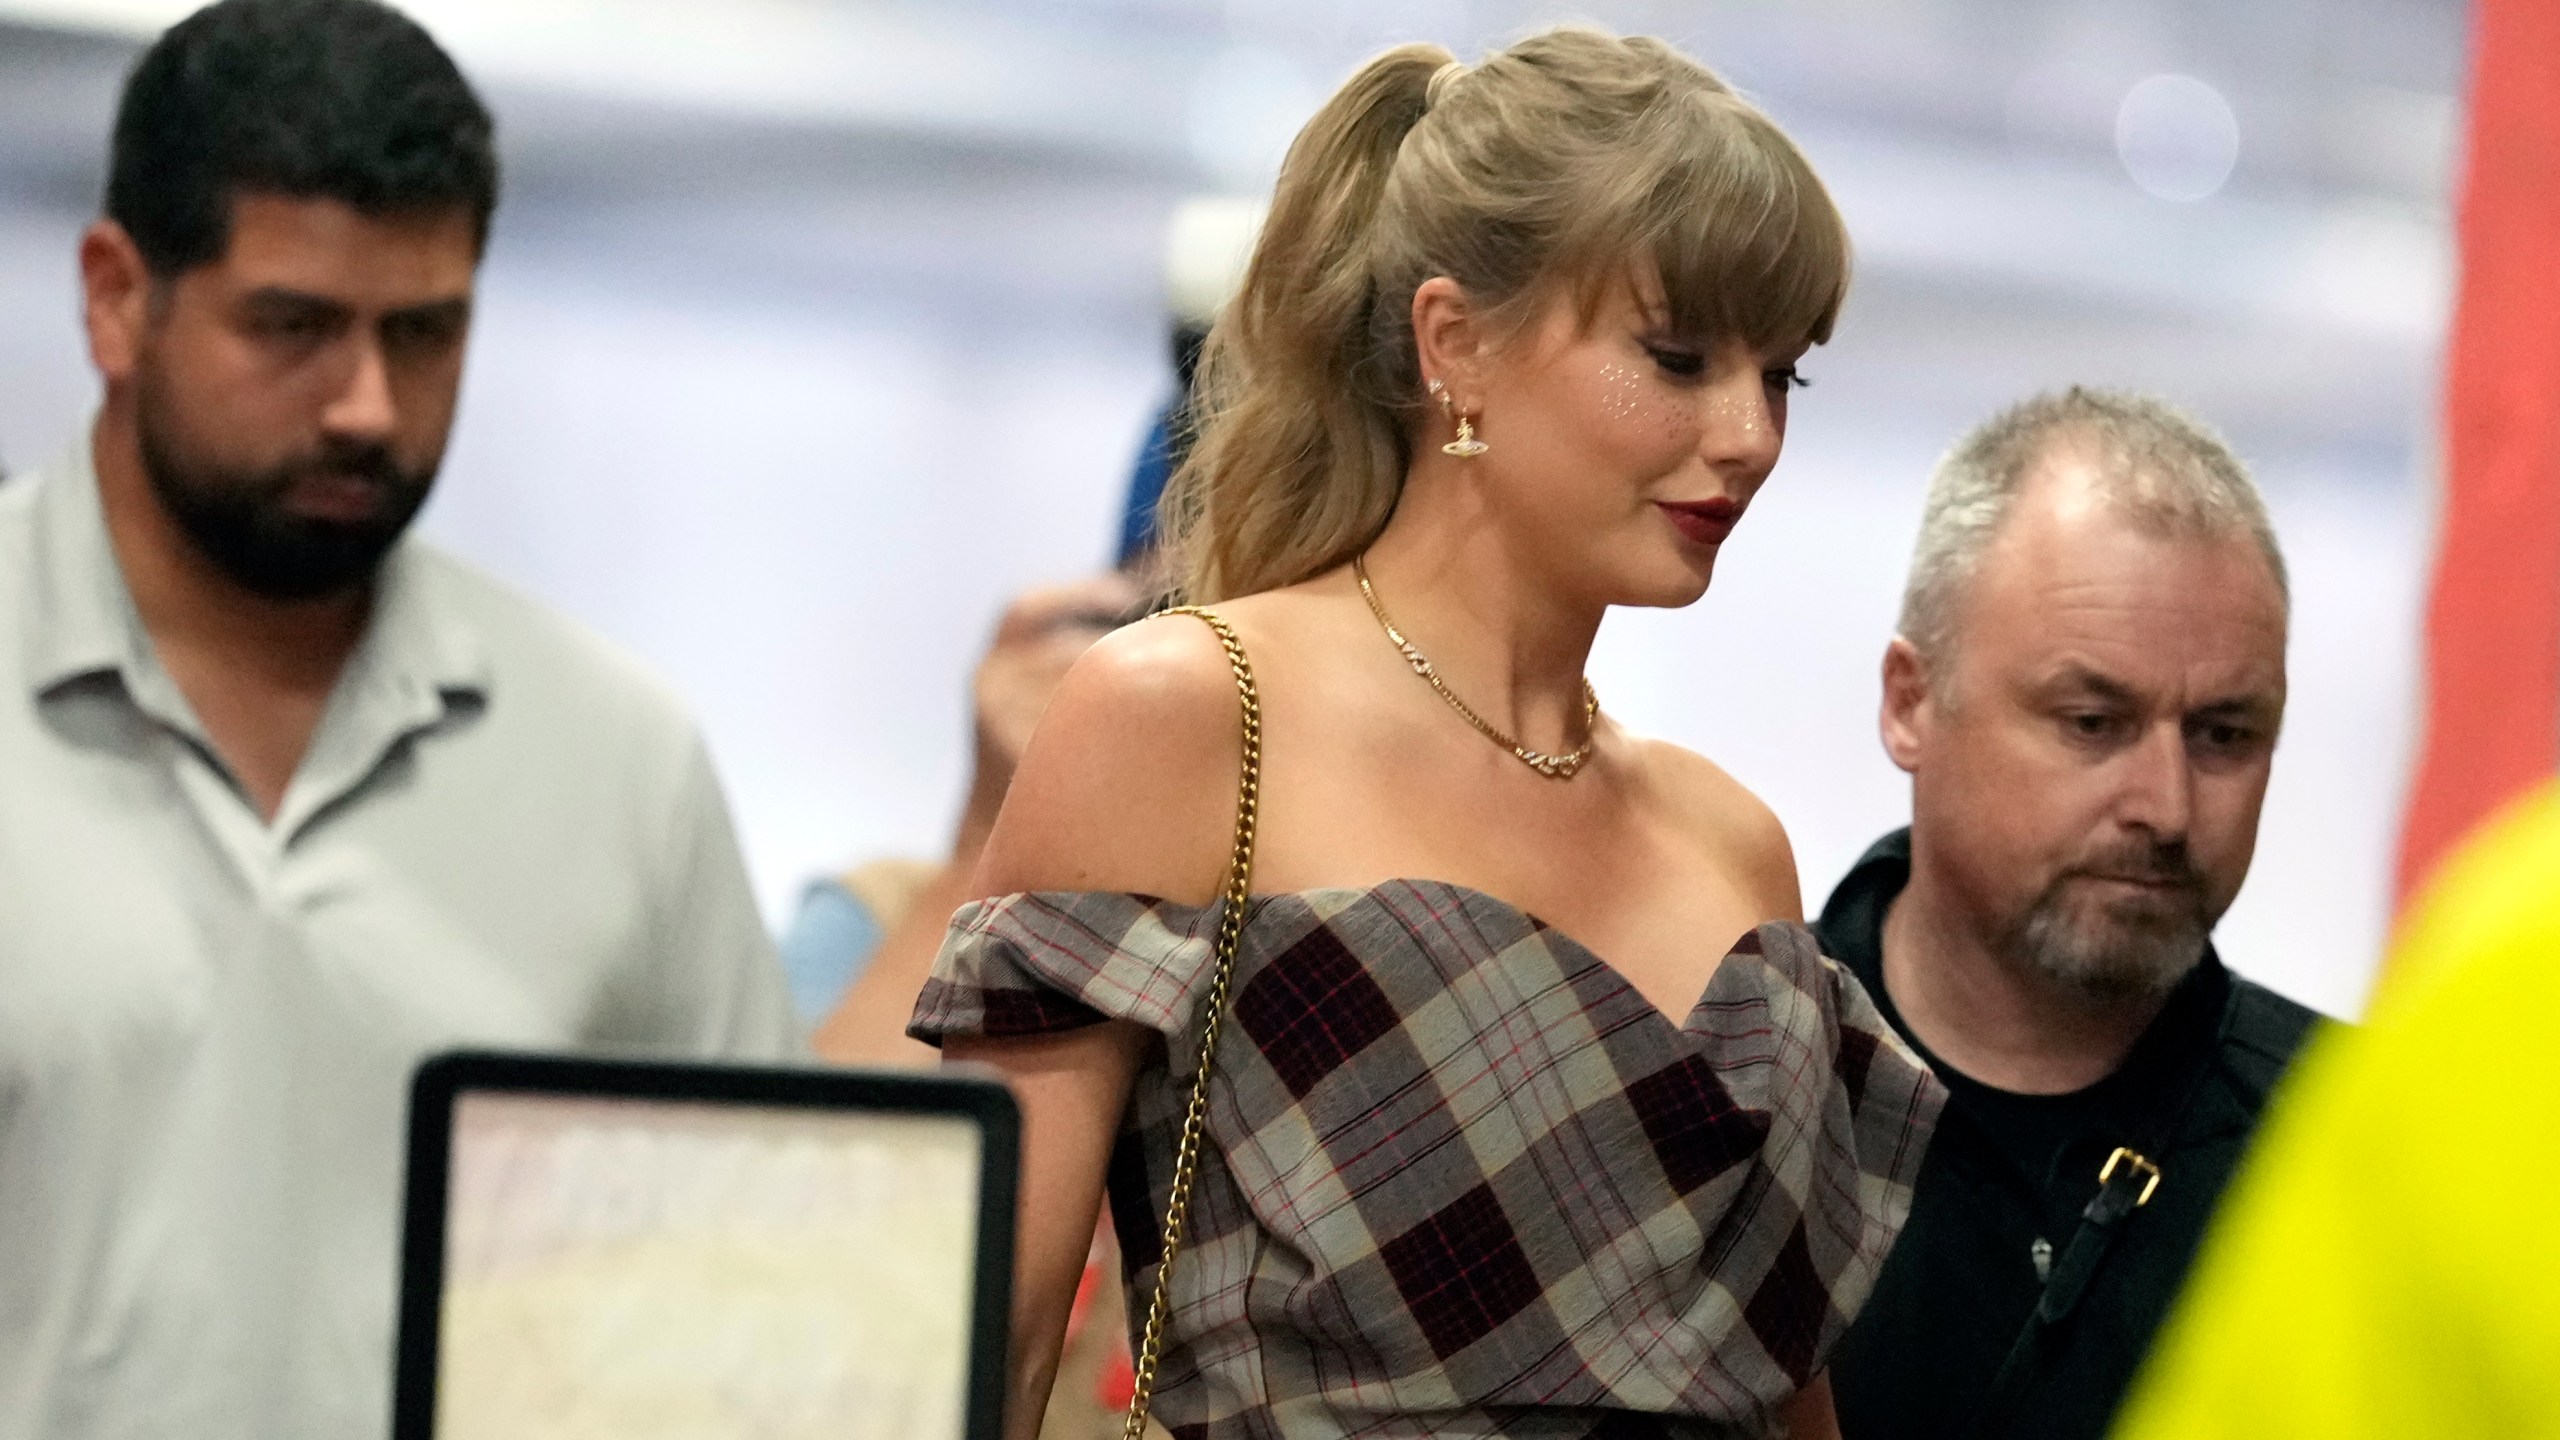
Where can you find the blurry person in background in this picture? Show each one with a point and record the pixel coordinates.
(1041, 635)
(2086, 692)
(2387, 1266)
(1206, 246)
(291, 799)
(846, 923)
(1514, 347)
(862, 944)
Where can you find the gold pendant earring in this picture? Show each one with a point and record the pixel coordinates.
(1466, 446)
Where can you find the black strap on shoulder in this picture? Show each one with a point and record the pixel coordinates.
(2125, 1185)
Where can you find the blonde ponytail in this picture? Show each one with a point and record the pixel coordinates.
(1562, 161)
(1295, 455)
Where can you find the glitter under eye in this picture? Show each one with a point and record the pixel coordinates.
(1744, 415)
(1629, 396)
(1622, 397)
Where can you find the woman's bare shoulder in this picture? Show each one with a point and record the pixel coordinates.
(1733, 826)
(1129, 782)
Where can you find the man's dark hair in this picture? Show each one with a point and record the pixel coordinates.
(343, 100)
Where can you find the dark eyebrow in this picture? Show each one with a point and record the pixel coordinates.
(453, 310)
(277, 297)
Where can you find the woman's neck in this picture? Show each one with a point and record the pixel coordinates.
(1486, 612)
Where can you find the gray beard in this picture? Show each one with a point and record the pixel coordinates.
(2137, 946)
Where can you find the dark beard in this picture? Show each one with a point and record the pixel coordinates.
(238, 521)
(2136, 945)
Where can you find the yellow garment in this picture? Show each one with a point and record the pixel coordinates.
(2390, 1263)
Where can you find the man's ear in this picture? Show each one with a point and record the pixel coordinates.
(1909, 710)
(116, 298)
(1448, 338)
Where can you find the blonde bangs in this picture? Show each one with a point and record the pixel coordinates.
(1561, 167)
(1730, 219)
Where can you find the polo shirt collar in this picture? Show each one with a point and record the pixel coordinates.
(419, 660)
(417, 665)
(416, 641)
(82, 620)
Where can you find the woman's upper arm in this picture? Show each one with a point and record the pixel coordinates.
(1072, 1088)
(1129, 782)
(1128, 785)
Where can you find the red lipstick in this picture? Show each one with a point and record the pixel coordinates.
(1702, 522)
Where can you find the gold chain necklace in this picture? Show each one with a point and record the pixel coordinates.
(1554, 767)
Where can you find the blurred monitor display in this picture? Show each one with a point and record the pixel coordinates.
(655, 1252)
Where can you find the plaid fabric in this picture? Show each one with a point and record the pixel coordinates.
(1464, 1180)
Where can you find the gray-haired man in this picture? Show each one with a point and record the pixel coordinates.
(2086, 692)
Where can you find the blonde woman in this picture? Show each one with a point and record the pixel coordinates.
(1506, 1133)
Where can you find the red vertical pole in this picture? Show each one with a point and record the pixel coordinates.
(2493, 613)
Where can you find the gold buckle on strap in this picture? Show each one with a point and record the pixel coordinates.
(2150, 1173)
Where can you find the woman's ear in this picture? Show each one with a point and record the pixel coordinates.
(1448, 338)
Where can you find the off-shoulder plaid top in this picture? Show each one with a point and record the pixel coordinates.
(1463, 1179)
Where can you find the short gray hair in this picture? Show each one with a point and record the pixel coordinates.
(2156, 464)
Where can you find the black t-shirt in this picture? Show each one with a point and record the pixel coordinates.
(2006, 1178)
(2031, 1130)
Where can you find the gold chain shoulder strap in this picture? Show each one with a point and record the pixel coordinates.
(1195, 1115)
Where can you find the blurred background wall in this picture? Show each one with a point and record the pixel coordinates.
(814, 328)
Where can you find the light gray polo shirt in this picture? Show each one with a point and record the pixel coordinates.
(503, 834)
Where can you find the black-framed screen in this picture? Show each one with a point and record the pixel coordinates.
(622, 1248)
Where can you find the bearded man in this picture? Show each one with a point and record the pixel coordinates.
(2086, 693)
(287, 800)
